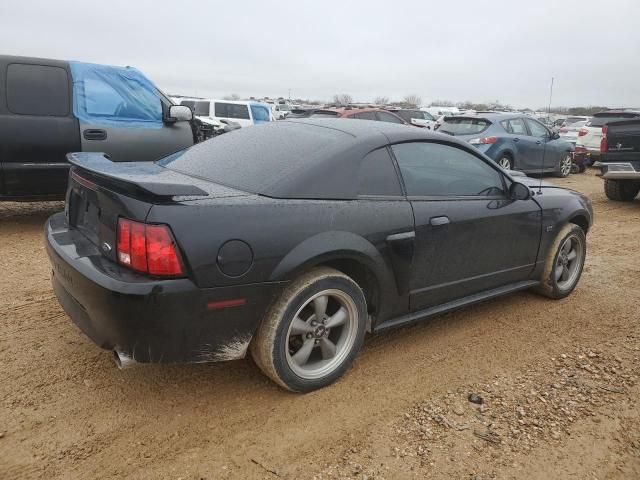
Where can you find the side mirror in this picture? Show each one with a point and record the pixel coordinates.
(519, 191)
(179, 113)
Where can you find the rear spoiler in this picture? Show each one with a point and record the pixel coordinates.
(146, 176)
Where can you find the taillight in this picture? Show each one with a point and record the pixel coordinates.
(148, 248)
(604, 145)
(582, 132)
(483, 141)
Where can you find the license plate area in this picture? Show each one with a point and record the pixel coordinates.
(84, 213)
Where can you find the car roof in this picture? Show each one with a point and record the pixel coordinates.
(284, 159)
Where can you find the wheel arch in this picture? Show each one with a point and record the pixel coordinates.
(582, 220)
(349, 253)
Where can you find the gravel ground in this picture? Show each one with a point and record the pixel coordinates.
(558, 382)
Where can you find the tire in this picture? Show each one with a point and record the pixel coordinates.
(506, 162)
(564, 169)
(621, 190)
(552, 285)
(279, 349)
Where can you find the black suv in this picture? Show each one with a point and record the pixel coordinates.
(49, 108)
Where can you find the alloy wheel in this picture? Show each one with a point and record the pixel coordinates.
(565, 166)
(322, 334)
(505, 163)
(569, 262)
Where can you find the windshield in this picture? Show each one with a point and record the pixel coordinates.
(464, 126)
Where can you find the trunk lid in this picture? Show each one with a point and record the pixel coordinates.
(101, 191)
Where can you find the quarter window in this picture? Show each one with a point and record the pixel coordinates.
(37, 90)
(435, 169)
(377, 176)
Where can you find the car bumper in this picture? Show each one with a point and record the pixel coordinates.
(147, 320)
(619, 170)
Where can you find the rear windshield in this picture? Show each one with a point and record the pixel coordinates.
(571, 120)
(464, 126)
(253, 159)
(324, 114)
(232, 110)
(600, 120)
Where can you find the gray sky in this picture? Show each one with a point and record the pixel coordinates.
(456, 49)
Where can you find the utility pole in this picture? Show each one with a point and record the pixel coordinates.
(289, 95)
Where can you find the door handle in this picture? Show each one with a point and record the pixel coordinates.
(538, 142)
(516, 139)
(437, 221)
(401, 236)
(94, 134)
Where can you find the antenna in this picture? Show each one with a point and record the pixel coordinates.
(544, 147)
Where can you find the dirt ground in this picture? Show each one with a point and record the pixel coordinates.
(558, 382)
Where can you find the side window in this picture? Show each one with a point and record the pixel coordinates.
(37, 90)
(387, 117)
(365, 116)
(232, 110)
(537, 129)
(516, 126)
(377, 175)
(435, 169)
(505, 124)
(201, 109)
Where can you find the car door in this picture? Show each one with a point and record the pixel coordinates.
(549, 151)
(37, 127)
(122, 114)
(524, 145)
(469, 236)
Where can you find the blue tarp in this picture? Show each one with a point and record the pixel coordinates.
(260, 112)
(114, 96)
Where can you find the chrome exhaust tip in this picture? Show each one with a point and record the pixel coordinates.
(123, 360)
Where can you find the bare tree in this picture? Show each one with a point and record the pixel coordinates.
(233, 96)
(342, 99)
(413, 100)
(441, 103)
(381, 100)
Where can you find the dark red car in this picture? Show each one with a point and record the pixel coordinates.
(360, 113)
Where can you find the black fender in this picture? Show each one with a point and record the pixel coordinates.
(339, 245)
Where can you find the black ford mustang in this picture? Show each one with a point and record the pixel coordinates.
(292, 239)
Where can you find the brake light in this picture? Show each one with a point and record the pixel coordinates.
(148, 248)
(604, 144)
(483, 141)
(582, 132)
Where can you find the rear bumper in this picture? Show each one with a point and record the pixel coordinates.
(149, 320)
(619, 170)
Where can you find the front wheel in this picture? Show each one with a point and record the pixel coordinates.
(564, 262)
(310, 337)
(564, 169)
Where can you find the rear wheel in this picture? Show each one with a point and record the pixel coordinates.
(310, 337)
(564, 263)
(621, 190)
(564, 169)
(506, 162)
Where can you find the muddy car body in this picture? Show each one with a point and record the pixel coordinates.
(329, 226)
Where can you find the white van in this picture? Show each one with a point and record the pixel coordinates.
(245, 113)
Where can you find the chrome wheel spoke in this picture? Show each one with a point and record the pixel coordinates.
(572, 255)
(320, 306)
(565, 274)
(328, 348)
(300, 327)
(566, 247)
(338, 318)
(558, 272)
(301, 357)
